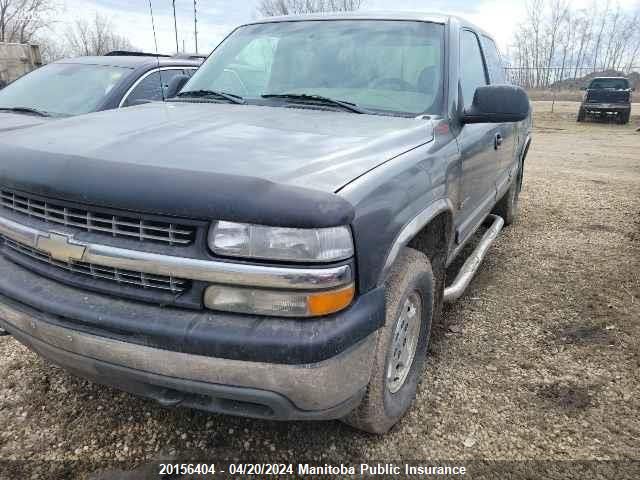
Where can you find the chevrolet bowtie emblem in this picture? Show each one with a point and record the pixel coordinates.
(60, 247)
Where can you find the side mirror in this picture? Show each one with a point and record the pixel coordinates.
(175, 85)
(498, 104)
(583, 88)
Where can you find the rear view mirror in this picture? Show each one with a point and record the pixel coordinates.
(498, 104)
(175, 85)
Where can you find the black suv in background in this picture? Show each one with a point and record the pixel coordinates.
(607, 96)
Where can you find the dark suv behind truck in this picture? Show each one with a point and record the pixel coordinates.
(273, 242)
(606, 96)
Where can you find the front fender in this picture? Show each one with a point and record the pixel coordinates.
(411, 229)
(395, 201)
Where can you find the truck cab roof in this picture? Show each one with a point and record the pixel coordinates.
(434, 17)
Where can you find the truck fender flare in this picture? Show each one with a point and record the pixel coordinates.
(525, 149)
(411, 229)
(513, 171)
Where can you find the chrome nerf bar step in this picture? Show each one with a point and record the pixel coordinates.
(470, 267)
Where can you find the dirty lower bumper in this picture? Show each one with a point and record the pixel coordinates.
(328, 389)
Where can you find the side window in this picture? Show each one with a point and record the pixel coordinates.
(474, 74)
(154, 86)
(494, 61)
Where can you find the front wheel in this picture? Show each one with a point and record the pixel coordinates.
(623, 117)
(401, 347)
(582, 115)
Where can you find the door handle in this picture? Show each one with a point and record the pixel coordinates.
(497, 141)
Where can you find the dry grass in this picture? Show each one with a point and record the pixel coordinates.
(538, 94)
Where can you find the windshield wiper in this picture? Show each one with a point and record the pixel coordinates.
(28, 110)
(212, 93)
(319, 100)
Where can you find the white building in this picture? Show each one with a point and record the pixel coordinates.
(17, 59)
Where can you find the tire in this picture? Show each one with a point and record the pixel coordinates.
(582, 115)
(623, 117)
(507, 207)
(387, 400)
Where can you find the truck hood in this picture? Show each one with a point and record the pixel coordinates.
(316, 149)
(15, 121)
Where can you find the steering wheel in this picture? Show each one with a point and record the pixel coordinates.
(393, 84)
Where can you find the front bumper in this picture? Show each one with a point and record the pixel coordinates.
(244, 365)
(324, 390)
(607, 107)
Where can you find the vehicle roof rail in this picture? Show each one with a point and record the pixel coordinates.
(126, 53)
(189, 56)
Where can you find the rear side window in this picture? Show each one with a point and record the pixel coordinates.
(154, 86)
(612, 83)
(473, 70)
(494, 61)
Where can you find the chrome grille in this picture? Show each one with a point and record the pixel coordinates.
(113, 225)
(98, 272)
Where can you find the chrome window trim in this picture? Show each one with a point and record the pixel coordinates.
(227, 273)
(143, 77)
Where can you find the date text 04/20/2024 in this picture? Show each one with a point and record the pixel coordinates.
(306, 469)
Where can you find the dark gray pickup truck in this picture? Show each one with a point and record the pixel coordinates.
(273, 242)
(606, 96)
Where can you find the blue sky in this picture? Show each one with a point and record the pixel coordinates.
(218, 17)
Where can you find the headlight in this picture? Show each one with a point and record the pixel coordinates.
(278, 243)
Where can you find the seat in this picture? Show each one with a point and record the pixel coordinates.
(427, 80)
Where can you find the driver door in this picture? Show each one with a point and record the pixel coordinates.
(477, 142)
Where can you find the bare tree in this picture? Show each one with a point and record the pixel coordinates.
(535, 10)
(598, 45)
(22, 20)
(584, 27)
(559, 11)
(556, 42)
(567, 39)
(94, 37)
(612, 34)
(271, 8)
(634, 45)
(626, 38)
(51, 48)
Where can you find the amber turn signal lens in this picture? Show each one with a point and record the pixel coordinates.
(326, 303)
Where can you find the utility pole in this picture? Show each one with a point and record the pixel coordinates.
(175, 26)
(195, 23)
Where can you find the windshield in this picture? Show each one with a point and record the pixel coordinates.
(62, 89)
(383, 66)
(613, 83)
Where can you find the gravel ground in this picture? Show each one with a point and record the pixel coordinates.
(539, 360)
